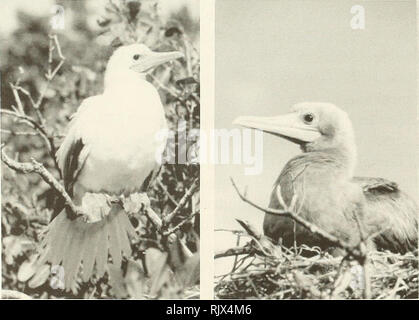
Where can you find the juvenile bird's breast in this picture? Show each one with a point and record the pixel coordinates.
(123, 144)
(323, 195)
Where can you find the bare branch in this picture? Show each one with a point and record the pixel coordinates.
(31, 122)
(236, 251)
(170, 91)
(36, 167)
(180, 224)
(169, 196)
(182, 202)
(53, 44)
(19, 133)
(308, 225)
(19, 112)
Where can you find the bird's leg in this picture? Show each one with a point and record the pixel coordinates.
(112, 199)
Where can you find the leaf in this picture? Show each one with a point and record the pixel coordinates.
(171, 31)
(103, 22)
(40, 277)
(15, 246)
(159, 271)
(135, 202)
(195, 200)
(176, 254)
(117, 281)
(185, 81)
(116, 43)
(133, 9)
(250, 229)
(27, 269)
(188, 275)
(135, 280)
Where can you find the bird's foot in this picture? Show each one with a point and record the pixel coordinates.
(111, 200)
(136, 202)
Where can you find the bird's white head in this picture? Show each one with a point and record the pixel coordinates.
(315, 126)
(135, 60)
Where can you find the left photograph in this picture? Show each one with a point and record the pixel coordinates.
(100, 118)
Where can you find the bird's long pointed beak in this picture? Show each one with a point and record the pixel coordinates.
(154, 59)
(288, 126)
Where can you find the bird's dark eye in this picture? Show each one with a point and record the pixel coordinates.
(308, 118)
(136, 56)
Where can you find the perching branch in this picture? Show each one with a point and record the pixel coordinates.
(36, 167)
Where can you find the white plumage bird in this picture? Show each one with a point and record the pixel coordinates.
(110, 148)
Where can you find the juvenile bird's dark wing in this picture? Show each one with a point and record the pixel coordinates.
(376, 185)
(391, 210)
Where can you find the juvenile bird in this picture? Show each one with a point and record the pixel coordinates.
(110, 148)
(326, 192)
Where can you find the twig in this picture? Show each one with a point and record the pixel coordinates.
(19, 112)
(180, 224)
(173, 93)
(241, 232)
(19, 133)
(36, 167)
(182, 202)
(169, 196)
(232, 252)
(236, 257)
(157, 221)
(365, 261)
(33, 124)
(353, 250)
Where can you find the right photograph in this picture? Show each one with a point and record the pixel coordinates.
(316, 178)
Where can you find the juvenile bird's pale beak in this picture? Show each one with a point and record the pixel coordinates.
(288, 126)
(154, 59)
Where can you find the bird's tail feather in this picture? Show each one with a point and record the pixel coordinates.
(71, 242)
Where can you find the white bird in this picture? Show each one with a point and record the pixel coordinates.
(110, 148)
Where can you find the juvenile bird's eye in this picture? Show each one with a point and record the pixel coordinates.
(136, 56)
(308, 118)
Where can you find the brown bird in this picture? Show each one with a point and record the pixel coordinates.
(326, 193)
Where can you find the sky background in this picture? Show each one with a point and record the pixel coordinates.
(270, 55)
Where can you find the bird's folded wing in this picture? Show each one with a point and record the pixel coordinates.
(388, 209)
(71, 156)
(378, 185)
(73, 152)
